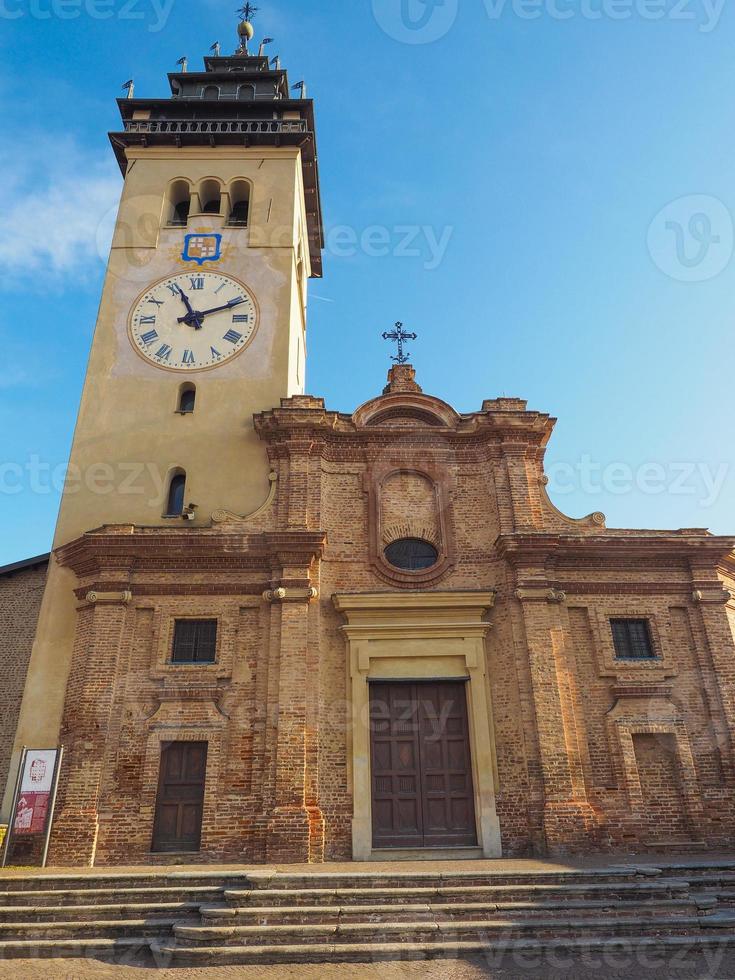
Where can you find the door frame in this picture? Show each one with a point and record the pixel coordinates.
(419, 636)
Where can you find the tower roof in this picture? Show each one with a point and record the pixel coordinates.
(238, 100)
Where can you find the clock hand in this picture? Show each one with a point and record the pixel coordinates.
(192, 319)
(200, 314)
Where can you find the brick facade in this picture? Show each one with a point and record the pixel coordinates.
(21, 591)
(593, 753)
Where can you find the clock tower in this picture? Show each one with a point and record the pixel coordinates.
(202, 324)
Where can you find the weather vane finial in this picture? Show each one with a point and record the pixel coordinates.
(400, 336)
(245, 30)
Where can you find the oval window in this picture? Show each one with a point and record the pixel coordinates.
(411, 554)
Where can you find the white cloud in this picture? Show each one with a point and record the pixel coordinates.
(56, 196)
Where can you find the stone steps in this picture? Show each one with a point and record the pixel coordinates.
(126, 895)
(82, 913)
(371, 952)
(267, 916)
(89, 930)
(114, 881)
(304, 914)
(620, 891)
(462, 930)
(112, 950)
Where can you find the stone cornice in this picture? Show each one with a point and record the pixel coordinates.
(400, 615)
(426, 418)
(611, 547)
(113, 552)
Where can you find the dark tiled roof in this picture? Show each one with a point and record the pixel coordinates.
(19, 566)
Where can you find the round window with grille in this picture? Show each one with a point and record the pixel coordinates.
(411, 554)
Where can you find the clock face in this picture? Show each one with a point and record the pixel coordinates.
(193, 321)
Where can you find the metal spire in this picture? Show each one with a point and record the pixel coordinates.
(247, 12)
(129, 86)
(216, 48)
(400, 336)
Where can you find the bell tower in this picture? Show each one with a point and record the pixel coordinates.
(202, 321)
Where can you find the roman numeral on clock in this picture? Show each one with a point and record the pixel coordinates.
(188, 357)
(233, 336)
(241, 318)
(197, 282)
(147, 319)
(149, 337)
(215, 352)
(164, 352)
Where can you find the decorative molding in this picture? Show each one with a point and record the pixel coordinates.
(291, 595)
(596, 520)
(422, 636)
(540, 593)
(441, 479)
(227, 517)
(111, 598)
(407, 529)
(717, 596)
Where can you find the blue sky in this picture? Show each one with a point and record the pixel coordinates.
(548, 202)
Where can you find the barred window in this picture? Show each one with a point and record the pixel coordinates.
(195, 641)
(411, 554)
(632, 639)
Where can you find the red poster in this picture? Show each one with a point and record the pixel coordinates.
(35, 792)
(30, 814)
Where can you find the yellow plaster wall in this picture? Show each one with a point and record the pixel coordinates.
(128, 435)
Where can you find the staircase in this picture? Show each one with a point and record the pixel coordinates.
(202, 918)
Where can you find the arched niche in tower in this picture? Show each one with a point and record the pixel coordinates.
(210, 196)
(239, 203)
(178, 203)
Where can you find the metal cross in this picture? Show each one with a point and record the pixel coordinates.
(399, 336)
(248, 11)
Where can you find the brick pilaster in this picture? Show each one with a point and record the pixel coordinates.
(569, 820)
(87, 711)
(295, 831)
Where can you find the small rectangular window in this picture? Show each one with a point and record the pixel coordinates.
(195, 641)
(632, 639)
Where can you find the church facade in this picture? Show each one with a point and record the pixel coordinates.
(298, 635)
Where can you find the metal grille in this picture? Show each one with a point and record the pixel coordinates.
(215, 126)
(195, 641)
(632, 639)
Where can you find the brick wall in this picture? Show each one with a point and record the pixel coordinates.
(20, 601)
(592, 752)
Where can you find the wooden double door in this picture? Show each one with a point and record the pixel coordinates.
(421, 768)
(180, 800)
